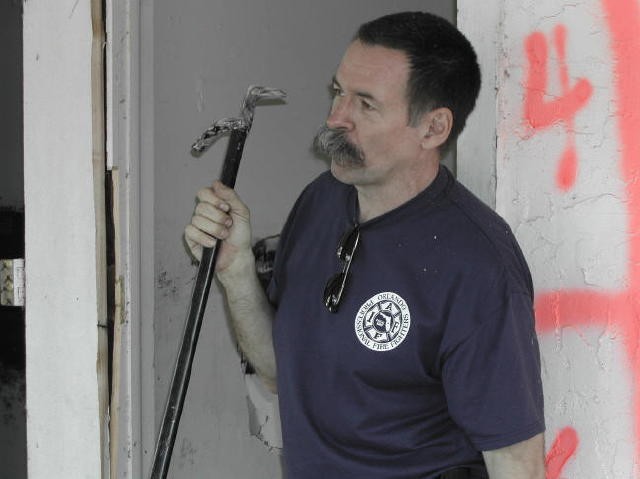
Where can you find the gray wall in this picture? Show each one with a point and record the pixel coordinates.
(206, 53)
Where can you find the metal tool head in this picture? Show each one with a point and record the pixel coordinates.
(254, 95)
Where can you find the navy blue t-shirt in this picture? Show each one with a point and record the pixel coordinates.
(432, 356)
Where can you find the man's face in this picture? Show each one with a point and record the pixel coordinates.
(369, 139)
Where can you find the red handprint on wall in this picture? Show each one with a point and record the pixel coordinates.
(617, 310)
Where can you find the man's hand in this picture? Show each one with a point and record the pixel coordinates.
(220, 215)
(524, 460)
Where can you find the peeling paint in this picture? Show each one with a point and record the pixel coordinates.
(264, 418)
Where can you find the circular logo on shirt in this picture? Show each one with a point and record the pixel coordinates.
(383, 322)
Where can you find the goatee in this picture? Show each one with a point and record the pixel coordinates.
(336, 145)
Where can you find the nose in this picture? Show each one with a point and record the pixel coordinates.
(340, 115)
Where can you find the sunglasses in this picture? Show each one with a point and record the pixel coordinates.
(335, 287)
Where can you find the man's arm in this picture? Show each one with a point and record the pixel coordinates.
(523, 460)
(251, 318)
(221, 216)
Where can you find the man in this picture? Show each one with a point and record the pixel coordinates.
(411, 353)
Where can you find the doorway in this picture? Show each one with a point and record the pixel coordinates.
(13, 455)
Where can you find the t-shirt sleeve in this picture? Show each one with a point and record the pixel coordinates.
(277, 277)
(492, 377)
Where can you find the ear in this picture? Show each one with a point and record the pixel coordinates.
(436, 126)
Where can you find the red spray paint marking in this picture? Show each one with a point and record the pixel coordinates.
(541, 114)
(618, 311)
(563, 449)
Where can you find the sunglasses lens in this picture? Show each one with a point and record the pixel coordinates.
(348, 244)
(333, 292)
(335, 286)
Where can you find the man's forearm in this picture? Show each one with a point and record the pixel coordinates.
(524, 460)
(251, 319)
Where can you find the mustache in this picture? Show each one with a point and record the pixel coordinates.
(336, 145)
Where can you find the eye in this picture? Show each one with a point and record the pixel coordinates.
(336, 90)
(366, 105)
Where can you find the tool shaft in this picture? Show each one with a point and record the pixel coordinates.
(238, 129)
(182, 372)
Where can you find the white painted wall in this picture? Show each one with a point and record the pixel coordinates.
(205, 54)
(476, 166)
(63, 429)
(577, 239)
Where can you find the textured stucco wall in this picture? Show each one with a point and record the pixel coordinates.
(206, 53)
(567, 162)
